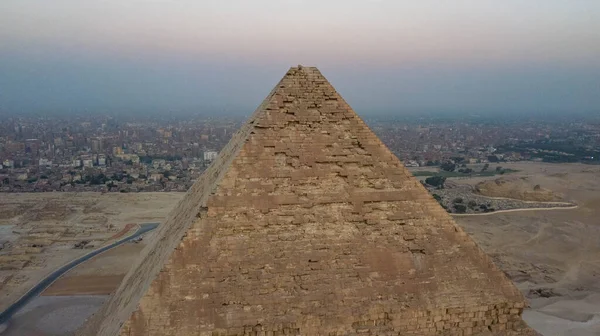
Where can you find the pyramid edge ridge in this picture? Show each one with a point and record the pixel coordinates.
(103, 321)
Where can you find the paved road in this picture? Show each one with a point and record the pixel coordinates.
(45, 283)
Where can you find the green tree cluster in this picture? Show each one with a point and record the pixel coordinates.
(436, 181)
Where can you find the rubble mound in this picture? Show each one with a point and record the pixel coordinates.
(516, 188)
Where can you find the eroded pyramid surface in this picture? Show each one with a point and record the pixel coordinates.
(307, 224)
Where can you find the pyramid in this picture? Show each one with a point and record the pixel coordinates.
(307, 224)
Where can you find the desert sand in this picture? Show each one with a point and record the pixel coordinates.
(53, 315)
(98, 276)
(553, 256)
(39, 232)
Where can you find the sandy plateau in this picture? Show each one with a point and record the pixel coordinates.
(552, 255)
(39, 233)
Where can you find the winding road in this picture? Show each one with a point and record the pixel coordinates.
(46, 282)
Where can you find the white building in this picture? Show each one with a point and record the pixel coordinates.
(44, 162)
(210, 155)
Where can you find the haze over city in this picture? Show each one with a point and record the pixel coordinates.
(385, 57)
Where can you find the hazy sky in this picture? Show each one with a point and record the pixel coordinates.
(391, 56)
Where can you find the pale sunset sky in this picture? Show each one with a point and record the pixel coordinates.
(383, 56)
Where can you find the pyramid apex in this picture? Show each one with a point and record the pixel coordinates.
(301, 67)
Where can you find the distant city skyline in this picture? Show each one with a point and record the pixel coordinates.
(383, 56)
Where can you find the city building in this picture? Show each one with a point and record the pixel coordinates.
(210, 155)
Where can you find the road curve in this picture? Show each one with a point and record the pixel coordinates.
(46, 282)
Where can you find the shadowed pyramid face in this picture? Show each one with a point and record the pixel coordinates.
(307, 224)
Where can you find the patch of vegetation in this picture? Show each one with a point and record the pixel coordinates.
(493, 158)
(486, 208)
(555, 150)
(423, 173)
(436, 181)
(460, 208)
(448, 166)
(96, 179)
(459, 174)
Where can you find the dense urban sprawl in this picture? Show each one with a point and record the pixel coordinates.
(127, 154)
